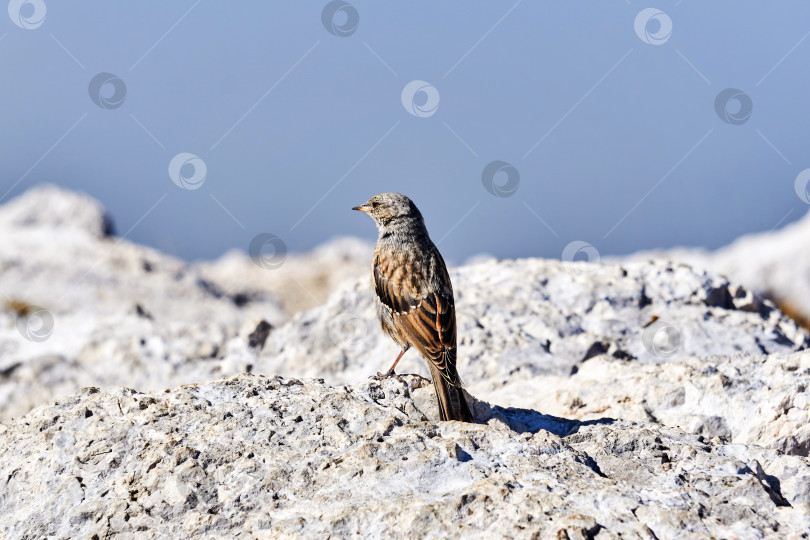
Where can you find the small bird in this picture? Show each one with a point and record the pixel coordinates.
(415, 296)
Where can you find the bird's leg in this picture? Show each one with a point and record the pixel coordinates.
(390, 372)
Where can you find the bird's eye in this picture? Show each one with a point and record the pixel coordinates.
(375, 204)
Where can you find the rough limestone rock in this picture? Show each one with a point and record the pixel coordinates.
(775, 264)
(79, 308)
(564, 338)
(745, 399)
(657, 400)
(578, 340)
(50, 207)
(253, 456)
(297, 281)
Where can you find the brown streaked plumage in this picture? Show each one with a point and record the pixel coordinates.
(415, 296)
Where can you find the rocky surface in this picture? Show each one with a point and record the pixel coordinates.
(577, 340)
(99, 310)
(747, 399)
(297, 281)
(79, 307)
(656, 399)
(254, 456)
(776, 264)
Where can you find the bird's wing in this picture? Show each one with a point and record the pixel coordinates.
(422, 307)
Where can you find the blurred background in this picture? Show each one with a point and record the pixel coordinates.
(516, 127)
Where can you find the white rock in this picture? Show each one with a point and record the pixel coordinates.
(775, 264)
(122, 313)
(254, 456)
(680, 399)
(301, 281)
(568, 339)
(51, 207)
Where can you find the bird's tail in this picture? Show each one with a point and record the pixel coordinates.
(452, 403)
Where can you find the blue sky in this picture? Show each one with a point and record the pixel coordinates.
(608, 126)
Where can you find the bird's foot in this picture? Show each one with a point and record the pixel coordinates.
(387, 375)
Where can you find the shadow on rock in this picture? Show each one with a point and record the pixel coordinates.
(530, 421)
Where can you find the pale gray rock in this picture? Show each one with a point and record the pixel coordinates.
(569, 339)
(775, 264)
(564, 338)
(748, 399)
(252, 456)
(51, 207)
(121, 313)
(296, 281)
(655, 399)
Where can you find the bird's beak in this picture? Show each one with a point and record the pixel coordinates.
(362, 208)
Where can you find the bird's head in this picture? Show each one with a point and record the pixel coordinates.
(387, 208)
